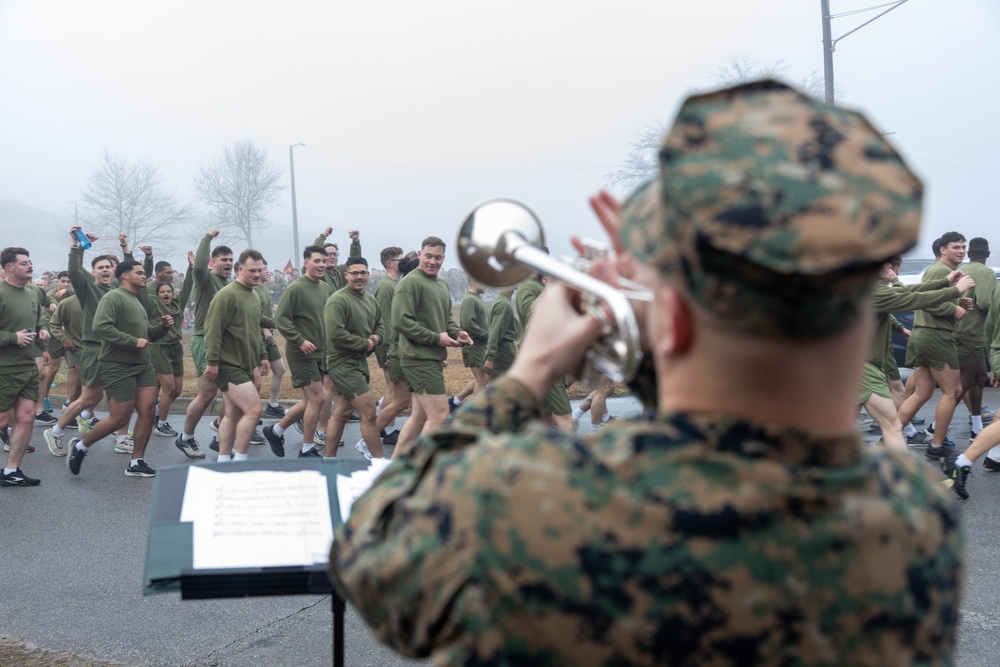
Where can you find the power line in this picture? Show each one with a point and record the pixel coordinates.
(461, 171)
(953, 166)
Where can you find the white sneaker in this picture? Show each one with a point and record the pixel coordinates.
(124, 446)
(362, 447)
(54, 442)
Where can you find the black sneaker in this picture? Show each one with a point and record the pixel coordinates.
(165, 429)
(214, 445)
(990, 464)
(139, 469)
(214, 425)
(189, 447)
(936, 453)
(354, 417)
(74, 459)
(957, 475)
(257, 438)
(17, 478)
(274, 412)
(277, 442)
(452, 405)
(45, 418)
(391, 439)
(310, 454)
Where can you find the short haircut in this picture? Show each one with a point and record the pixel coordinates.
(937, 247)
(389, 253)
(895, 262)
(222, 250)
(100, 258)
(311, 249)
(331, 245)
(160, 266)
(249, 254)
(125, 267)
(9, 255)
(356, 260)
(62, 274)
(432, 241)
(950, 237)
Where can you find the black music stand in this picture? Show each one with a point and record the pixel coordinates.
(169, 554)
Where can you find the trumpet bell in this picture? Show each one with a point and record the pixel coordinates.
(487, 239)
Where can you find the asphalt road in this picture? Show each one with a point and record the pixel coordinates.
(74, 548)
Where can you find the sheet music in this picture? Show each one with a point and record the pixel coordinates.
(257, 518)
(350, 488)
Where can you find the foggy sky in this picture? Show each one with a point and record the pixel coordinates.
(414, 112)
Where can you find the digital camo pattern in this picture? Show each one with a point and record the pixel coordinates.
(769, 204)
(681, 541)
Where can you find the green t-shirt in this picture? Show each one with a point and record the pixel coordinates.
(972, 327)
(421, 311)
(503, 333)
(232, 328)
(206, 284)
(119, 323)
(941, 316)
(299, 317)
(349, 319)
(20, 309)
(474, 319)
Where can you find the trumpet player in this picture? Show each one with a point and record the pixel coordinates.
(764, 533)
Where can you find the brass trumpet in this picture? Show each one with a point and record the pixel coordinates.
(500, 245)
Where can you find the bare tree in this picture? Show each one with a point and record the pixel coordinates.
(239, 188)
(130, 198)
(642, 164)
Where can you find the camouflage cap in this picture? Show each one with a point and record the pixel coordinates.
(774, 209)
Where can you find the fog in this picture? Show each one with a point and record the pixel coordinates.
(413, 112)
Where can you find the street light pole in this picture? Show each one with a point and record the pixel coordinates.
(295, 218)
(830, 44)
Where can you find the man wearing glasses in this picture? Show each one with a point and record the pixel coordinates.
(354, 329)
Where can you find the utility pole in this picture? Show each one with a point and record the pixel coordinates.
(830, 44)
(295, 217)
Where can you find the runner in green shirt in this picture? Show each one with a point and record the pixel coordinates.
(66, 327)
(125, 368)
(208, 280)
(500, 348)
(397, 394)
(353, 323)
(474, 318)
(334, 275)
(273, 409)
(299, 320)
(421, 316)
(233, 350)
(168, 352)
(21, 322)
(970, 337)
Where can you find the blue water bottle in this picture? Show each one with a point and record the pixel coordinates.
(82, 239)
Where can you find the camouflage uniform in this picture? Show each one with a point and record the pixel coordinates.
(686, 539)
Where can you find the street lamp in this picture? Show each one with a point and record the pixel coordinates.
(830, 44)
(295, 219)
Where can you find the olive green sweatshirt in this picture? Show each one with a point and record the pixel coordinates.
(941, 316)
(421, 311)
(474, 319)
(67, 321)
(383, 295)
(299, 317)
(972, 327)
(87, 291)
(206, 284)
(524, 300)
(503, 333)
(232, 328)
(156, 309)
(20, 309)
(119, 323)
(266, 309)
(886, 299)
(350, 318)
